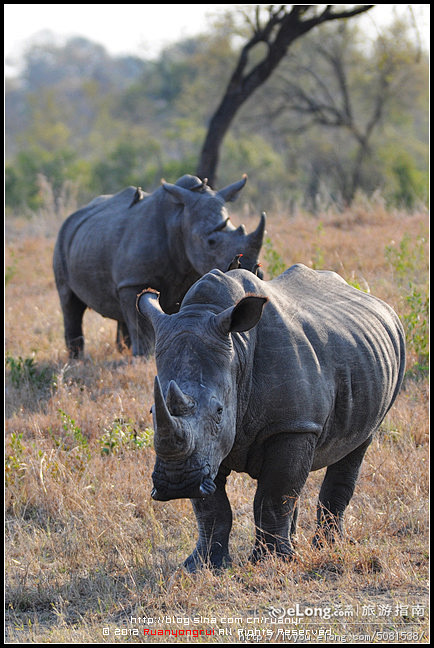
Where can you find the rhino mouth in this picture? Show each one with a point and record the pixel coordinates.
(180, 479)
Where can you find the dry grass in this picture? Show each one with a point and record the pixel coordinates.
(88, 552)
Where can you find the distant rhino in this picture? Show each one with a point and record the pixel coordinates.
(112, 248)
(273, 378)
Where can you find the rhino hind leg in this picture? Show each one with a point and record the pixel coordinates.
(286, 466)
(336, 492)
(214, 520)
(73, 309)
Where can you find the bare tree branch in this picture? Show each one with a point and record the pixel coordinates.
(281, 29)
(319, 106)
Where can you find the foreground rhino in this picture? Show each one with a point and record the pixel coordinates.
(109, 250)
(275, 392)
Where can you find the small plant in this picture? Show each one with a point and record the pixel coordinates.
(122, 435)
(275, 263)
(21, 370)
(416, 324)
(24, 371)
(10, 270)
(364, 287)
(14, 465)
(74, 440)
(408, 261)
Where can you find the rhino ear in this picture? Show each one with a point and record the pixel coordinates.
(179, 195)
(230, 192)
(241, 317)
(148, 305)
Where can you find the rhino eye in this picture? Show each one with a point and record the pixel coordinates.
(212, 242)
(218, 413)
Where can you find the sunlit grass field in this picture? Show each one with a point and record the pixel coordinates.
(90, 558)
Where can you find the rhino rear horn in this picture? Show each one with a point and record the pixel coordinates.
(177, 402)
(221, 226)
(256, 238)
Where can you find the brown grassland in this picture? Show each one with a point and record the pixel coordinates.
(90, 558)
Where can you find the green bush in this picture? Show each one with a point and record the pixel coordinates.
(122, 435)
(274, 262)
(416, 324)
(22, 186)
(25, 371)
(409, 263)
(14, 465)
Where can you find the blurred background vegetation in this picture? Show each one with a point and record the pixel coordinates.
(342, 115)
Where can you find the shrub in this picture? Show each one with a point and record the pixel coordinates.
(24, 371)
(275, 263)
(122, 435)
(408, 261)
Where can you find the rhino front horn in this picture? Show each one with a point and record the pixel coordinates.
(256, 237)
(163, 418)
(171, 440)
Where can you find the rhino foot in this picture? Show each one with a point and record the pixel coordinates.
(281, 549)
(216, 559)
(326, 536)
(328, 530)
(75, 348)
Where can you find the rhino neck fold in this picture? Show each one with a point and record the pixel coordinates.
(181, 273)
(244, 346)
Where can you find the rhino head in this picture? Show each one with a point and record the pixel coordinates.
(195, 392)
(210, 239)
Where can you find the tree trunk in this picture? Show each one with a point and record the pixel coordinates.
(218, 127)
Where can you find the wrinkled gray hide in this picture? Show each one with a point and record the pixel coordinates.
(274, 379)
(117, 245)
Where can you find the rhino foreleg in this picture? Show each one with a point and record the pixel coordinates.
(285, 468)
(214, 520)
(73, 309)
(336, 492)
